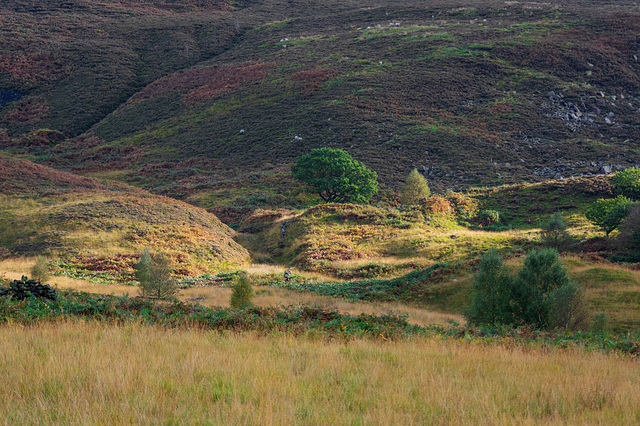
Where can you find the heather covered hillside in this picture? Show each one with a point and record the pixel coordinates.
(98, 229)
(211, 102)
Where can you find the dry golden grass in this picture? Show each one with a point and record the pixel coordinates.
(268, 296)
(91, 373)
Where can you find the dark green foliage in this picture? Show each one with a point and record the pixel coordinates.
(615, 216)
(335, 176)
(627, 182)
(154, 275)
(492, 292)
(415, 188)
(541, 295)
(600, 323)
(28, 288)
(567, 308)
(242, 292)
(608, 213)
(296, 321)
(40, 271)
(629, 230)
(541, 273)
(555, 235)
(412, 286)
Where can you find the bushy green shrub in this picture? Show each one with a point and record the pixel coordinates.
(242, 292)
(568, 308)
(415, 188)
(487, 217)
(627, 182)
(464, 206)
(40, 271)
(541, 295)
(491, 292)
(629, 230)
(555, 235)
(154, 275)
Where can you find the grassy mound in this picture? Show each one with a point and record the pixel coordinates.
(99, 229)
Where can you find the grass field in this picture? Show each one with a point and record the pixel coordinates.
(101, 374)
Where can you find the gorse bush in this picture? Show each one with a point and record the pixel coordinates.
(415, 188)
(541, 295)
(242, 292)
(154, 275)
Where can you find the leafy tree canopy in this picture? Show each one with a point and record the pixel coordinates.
(335, 176)
(608, 213)
(627, 182)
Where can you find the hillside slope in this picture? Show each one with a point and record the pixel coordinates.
(477, 93)
(100, 229)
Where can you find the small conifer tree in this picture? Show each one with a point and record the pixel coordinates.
(541, 295)
(40, 271)
(415, 188)
(491, 292)
(242, 292)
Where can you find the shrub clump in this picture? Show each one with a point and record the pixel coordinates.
(541, 295)
(629, 230)
(242, 292)
(487, 217)
(415, 188)
(555, 235)
(436, 204)
(40, 271)
(627, 182)
(608, 214)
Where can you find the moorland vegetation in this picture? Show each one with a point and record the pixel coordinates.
(314, 199)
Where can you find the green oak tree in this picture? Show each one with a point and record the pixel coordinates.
(335, 176)
(608, 213)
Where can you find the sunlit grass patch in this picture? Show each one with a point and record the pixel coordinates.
(122, 373)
